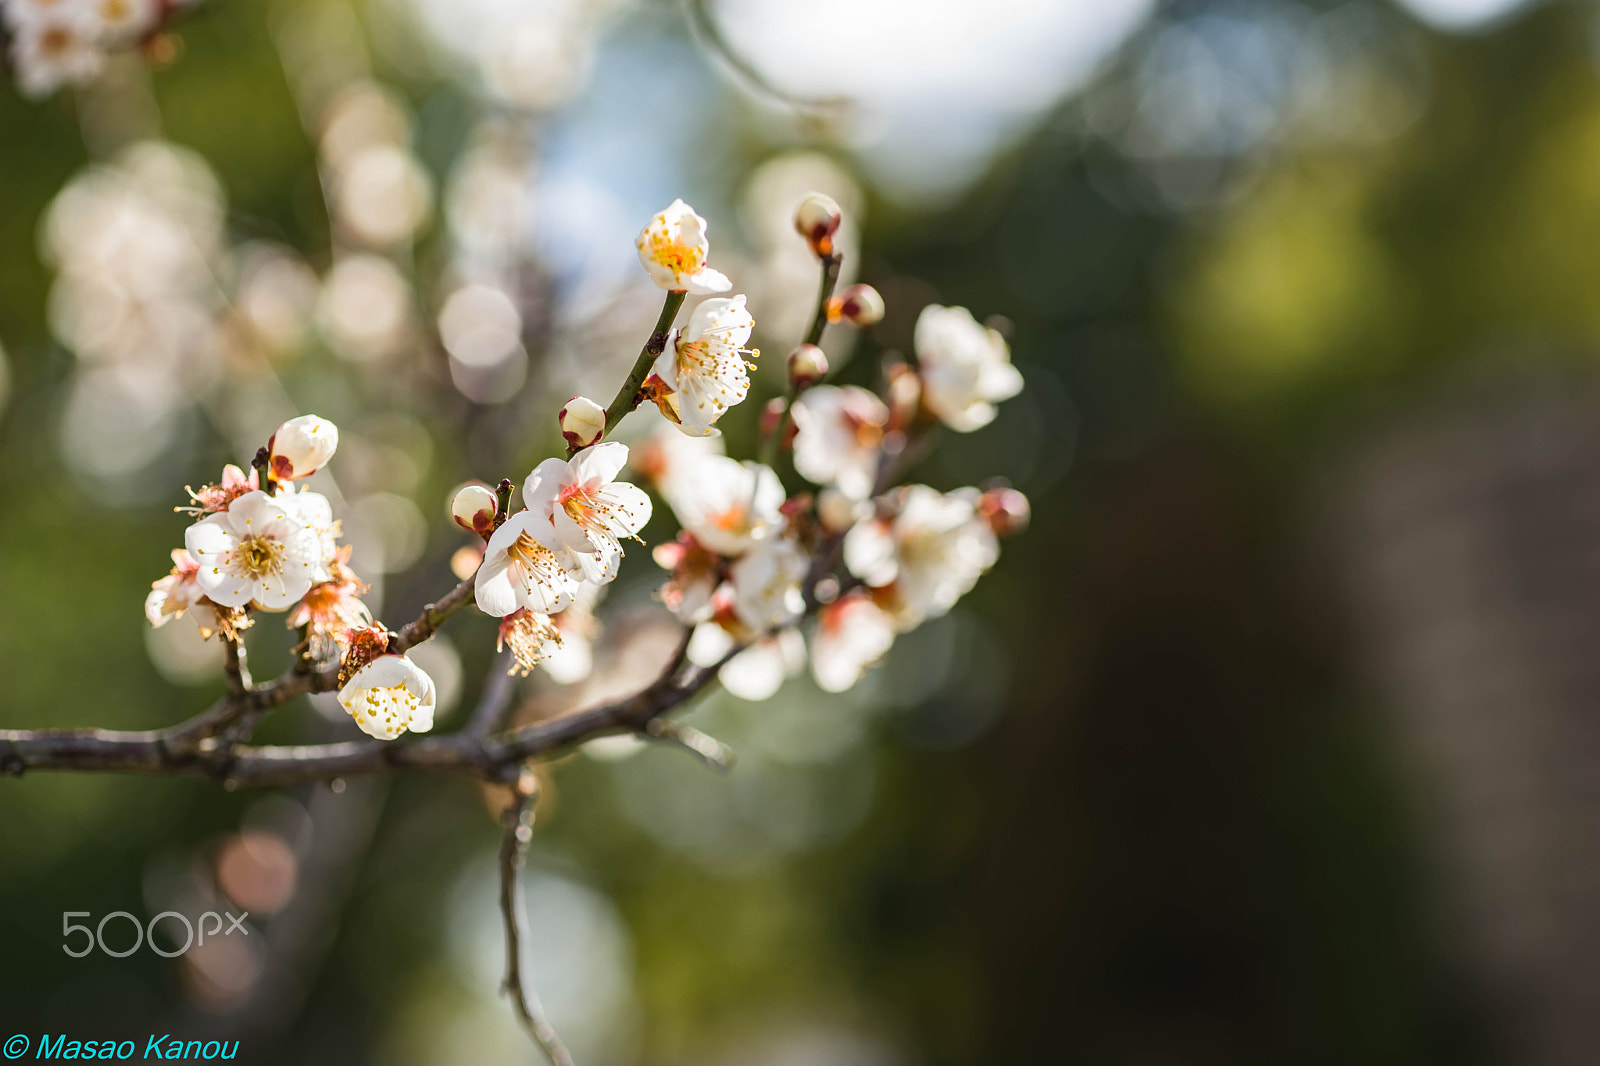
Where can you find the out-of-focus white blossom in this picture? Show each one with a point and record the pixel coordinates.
(927, 556)
(852, 634)
(473, 507)
(582, 421)
(838, 512)
(727, 505)
(766, 583)
(965, 367)
(301, 447)
(579, 510)
(388, 696)
(703, 365)
(254, 552)
(757, 672)
(665, 455)
(673, 249)
(839, 437)
(59, 48)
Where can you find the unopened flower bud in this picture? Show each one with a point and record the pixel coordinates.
(582, 421)
(859, 305)
(473, 508)
(904, 393)
(301, 446)
(1006, 509)
(838, 512)
(817, 220)
(808, 365)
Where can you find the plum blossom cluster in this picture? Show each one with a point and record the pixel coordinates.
(262, 543)
(54, 43)
(752, 559)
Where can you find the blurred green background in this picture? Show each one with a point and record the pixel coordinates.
(1272, 741)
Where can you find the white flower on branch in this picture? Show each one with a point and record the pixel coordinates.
(520, 572)
(703, 367)
(766, 584)
(254, 552)
(581, 512)
(727, 505)
(388, 696)
(313, 511)
(839, 438)
(965, 367)
(301, 446)
(757, 672)
(673, 249)
(53, 49)
(927, 556)
(852, 633)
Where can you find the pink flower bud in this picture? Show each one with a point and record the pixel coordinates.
(859, 305)
(1006, 509)
(301, 446)
(473, 507)
(817, 220)
(582, 421)
(808, 365)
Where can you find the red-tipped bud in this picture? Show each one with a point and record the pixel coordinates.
(300, 446)
(817, 220)
(473, 508)
(808, 365)
(904, 393)
(1006, 509)
(859, 305)
(582, 421)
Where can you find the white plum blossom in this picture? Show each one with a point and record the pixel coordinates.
(852, 634)
(301, 446)
(757, 672)
(965, 367)
(703, 365)
(55, 47)
(673, 249)
(388, 696)
(174, 594)
(473, 508)
(520, 572)
(766, 584)
(839, 438)
(666, 455)
(583, 421)
(929, 554)
(727, 505)
(254, 552)
(579, 511)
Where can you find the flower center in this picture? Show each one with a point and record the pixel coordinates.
(674, 255)
(583, 507)
(393, 707)
(258, 557)
(735, 519)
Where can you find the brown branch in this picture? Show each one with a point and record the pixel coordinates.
(518, 819)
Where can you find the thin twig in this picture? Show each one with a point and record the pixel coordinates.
(518, 820)
(627, 397)
(707, 748)
(819, 321)
(496, 698)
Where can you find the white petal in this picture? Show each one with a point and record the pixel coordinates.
(707, 281)
(602, 463)
(492, 588)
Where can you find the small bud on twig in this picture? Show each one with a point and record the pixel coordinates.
(474, 507)
(817, 219)
(582, 421)
(859, 305)
(808, 365)
(301, 446)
